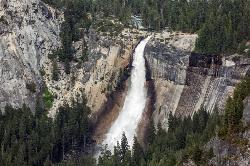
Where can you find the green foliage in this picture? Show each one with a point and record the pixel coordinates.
(222, 25)
(197, 154)
(76, 17)
(84, 160)
(31, 86)
(222, 31)
(106, 157)
(35, 139)
(137, 153)
(55, 71)
(121, 156)
(53, 57)
(151, 133)
(234, 110)
(184, 140)
(84, 56)
(42, 72)
(3, 20)
(48, 98)
(55, 54)
(241, 48)
(248, 52)
(110, 25)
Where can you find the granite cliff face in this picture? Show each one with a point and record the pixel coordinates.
(183, 81)
(96, 78)
(168, 61)
(186, 81)
(29, 30)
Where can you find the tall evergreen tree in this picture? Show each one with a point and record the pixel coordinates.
(137, 153)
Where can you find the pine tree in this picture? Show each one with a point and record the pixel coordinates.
(55, 71)
(137, 152)
(117, 155)
(124, 147)
(172, 122)
(151, 132)
(197, 154)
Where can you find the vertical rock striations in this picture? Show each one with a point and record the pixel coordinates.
(96, 78)
(186, 81)
(29, 30)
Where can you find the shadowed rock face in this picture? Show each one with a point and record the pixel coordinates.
(186, 81)
(204, 60)
(29, 31)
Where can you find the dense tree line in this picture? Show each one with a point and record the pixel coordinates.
(234, 110)
(35, 139)
(226, 28)
(183, 140)
(223, 25)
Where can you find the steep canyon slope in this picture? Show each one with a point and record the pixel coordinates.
(186, 81)
(30, 31)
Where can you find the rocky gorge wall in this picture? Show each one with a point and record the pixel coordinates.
(96, 78)
(29, 31)
(179, 80)
(185, 81)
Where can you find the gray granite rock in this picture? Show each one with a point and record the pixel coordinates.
(29, 30)
(246, 112)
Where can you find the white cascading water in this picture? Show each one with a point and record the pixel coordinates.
(134, 104)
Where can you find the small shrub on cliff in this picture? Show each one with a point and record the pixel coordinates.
(31, 86)
(85, 53)
(42, 72)
(55, 72)
(48, 98)
(3, 20)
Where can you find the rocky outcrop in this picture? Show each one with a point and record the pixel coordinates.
(228, 154)
(168, 60)
(96, 78)
(29, 30)
(233, 154)
(246, 112)
(186, 81)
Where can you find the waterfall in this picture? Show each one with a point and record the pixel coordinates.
(134, 104)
